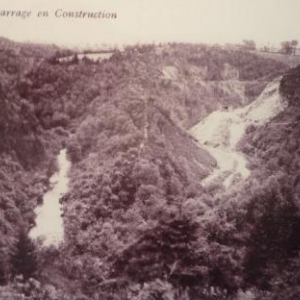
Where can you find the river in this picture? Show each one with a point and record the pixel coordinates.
(220, 132)
(49, 221)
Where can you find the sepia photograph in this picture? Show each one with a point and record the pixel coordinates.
(149, 150)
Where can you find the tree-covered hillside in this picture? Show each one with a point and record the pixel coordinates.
(138, 222)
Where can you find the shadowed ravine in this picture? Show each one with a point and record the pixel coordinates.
(220, 132)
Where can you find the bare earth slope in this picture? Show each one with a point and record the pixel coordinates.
(221, 131)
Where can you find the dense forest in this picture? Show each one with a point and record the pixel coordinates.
(138, 222)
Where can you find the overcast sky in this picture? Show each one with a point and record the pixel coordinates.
(207, 21)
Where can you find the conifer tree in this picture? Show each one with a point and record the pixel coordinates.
(24, 256)
(2, 271)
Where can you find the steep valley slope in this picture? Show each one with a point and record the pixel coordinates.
(221, 132)
(136, 193)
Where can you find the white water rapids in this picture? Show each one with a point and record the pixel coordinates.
(220, 132)
(49, 222)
